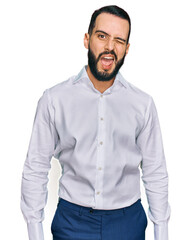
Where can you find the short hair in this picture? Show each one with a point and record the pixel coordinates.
(111, 9)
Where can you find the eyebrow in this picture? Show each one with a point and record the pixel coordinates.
(109, 35)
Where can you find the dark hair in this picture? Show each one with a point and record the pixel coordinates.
(112, 9)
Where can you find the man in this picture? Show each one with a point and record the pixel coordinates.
(101, 128)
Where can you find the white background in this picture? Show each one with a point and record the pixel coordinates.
(41, 44)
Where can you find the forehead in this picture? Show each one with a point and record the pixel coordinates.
(112, 25)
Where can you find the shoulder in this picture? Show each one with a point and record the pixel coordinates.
(61, 86)
(138, 95)
(133, 92)
(60, 89)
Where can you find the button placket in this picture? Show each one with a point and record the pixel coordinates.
(100, 153)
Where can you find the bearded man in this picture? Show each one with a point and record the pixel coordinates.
(103, 130)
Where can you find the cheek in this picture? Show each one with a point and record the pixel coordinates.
(97, 47)
(120, 51)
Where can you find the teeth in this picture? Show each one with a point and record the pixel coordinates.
(108, 57)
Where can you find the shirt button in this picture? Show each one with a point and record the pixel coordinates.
(101, 143)
(98, 193)
(101, 95)
(99, 168)
(101, 118)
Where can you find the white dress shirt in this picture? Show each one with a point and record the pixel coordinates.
(102, 141)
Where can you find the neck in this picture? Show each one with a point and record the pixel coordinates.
(99, 85)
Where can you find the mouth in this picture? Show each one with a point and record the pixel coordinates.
(107, 61)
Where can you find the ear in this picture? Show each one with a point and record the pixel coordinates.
(86, 40)
(127, 49)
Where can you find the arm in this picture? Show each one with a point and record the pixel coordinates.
(36, 167)
(154, 172)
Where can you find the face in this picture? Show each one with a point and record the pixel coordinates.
(107, 46)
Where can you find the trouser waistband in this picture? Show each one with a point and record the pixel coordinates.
(82, 209)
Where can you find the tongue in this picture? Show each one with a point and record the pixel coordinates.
(106, 62)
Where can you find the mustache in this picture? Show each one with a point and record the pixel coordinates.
(107, 52)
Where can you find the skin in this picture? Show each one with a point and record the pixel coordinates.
(110, 33)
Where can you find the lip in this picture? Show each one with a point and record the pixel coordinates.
(107, 61)
(108, 55)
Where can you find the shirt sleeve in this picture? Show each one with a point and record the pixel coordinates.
(36, 167)
(154, 172)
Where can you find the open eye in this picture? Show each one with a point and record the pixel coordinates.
(101, 36)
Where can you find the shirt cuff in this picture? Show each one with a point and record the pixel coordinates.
(35, 231)
(161, 231)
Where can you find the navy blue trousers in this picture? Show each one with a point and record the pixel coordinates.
(75, 222)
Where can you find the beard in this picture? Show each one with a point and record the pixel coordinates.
(103, 76)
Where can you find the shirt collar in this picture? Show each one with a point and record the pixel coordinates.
(83, 75)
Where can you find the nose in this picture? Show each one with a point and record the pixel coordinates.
(109, 46)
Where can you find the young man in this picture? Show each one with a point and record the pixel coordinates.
(101, 128)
